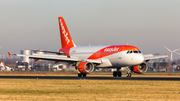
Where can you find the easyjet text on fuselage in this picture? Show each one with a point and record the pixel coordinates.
(115, 49)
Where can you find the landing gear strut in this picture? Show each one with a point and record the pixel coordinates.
(128, 74)
(117, 73)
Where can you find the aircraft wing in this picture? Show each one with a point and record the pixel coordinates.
(60, 53)
(150, 56)
(58, 58)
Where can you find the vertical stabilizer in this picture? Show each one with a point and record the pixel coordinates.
(66, 41)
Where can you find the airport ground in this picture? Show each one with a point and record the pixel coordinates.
(88, 90)
(93, 74)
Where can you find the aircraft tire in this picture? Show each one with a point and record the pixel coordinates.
(115, 74)
(119, 74)
(79, 75)
(84, 75)
(128, 75)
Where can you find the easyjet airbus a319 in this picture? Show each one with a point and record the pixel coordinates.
(87, 58)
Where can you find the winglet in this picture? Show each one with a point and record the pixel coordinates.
(165, 54)
(9, 54)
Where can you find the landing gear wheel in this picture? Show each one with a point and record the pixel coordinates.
(115, 74)
(84, 75)
(79, 75)
(128, 75)
(119, 74)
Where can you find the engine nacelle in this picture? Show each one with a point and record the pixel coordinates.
(85, 67)
(142, 68)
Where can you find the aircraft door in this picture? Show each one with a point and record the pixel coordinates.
(120, 59)
(120, 55)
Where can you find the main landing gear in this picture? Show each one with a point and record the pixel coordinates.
(81, 75)
(117, 73)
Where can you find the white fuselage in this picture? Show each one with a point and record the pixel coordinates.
(5, 69)
(117, 59)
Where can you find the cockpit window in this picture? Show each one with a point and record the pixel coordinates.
(131, 51)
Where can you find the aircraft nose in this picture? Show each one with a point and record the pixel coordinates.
(140, 59)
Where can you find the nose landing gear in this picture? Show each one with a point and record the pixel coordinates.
(128, 74)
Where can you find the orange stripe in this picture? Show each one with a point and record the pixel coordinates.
(111, 50)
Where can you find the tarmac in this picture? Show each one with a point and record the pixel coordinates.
(92, 78)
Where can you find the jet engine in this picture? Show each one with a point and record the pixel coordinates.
(85, 67)
(142, 68)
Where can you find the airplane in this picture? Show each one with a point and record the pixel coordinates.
(5, 68)
(87, 58)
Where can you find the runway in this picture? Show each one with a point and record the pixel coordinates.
(92, 78)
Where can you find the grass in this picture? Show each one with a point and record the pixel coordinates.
(88, 90)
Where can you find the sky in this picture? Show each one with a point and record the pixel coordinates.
(146, 24)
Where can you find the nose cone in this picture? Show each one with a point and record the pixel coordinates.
(139, 59)
(135, 59)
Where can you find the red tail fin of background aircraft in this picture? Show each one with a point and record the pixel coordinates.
(66, 41)
(2, 63)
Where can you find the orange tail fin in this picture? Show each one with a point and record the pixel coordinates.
(66, 41)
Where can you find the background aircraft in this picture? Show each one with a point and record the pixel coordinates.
(5, 68)
(87, 58)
